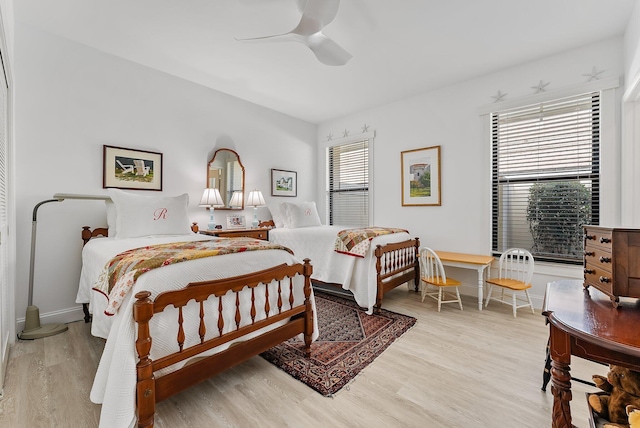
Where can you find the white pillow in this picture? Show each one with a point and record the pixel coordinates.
(111, 218)
(303, 214)
(150, 215)
(278, 215)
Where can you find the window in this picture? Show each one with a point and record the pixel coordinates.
(348, 184)
(546, 176)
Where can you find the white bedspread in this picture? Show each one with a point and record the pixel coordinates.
(114, 383)
(355, 274)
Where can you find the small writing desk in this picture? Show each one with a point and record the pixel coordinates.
(584, 323)
(468, 261)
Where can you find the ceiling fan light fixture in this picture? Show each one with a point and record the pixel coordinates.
(316, 15)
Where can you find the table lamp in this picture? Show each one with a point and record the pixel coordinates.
(210, 199)
(255, 200)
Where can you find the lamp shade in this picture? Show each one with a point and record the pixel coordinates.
(255, 199)
(236, 199)
(211, 198)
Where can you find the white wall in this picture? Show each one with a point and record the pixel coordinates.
(71, 100)
(449, 117)
(630, 167)
(632, 44)
(6, 10)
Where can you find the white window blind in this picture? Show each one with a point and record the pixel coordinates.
(348, 184)
(234, 179)
(546, 176)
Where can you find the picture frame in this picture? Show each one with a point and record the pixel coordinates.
(124, 168)
(236, 221)
(421, 177)
(284, 183)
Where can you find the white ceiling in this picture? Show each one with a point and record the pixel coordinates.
(399, 47)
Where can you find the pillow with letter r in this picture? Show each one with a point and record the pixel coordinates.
(303, 214)
(138, 215)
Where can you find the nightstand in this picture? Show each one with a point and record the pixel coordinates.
(237, 233)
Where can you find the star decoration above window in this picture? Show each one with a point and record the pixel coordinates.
(345, 133)
(540, 87)
(330, 136)
(365, 128)
(498, 97)
(594, 75)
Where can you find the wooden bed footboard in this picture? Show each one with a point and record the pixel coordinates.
(396, 263)
(294, 318)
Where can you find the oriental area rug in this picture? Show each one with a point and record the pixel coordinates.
(349, 341)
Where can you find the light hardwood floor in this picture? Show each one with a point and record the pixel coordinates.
(452, 369)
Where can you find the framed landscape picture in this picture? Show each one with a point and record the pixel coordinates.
(131, 169)
(420, 176)
(284, 183)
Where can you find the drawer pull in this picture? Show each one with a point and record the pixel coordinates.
(605, 259)
(605, 279)
(590, 237)
(589, 253)
(589, 271)
(605, 240)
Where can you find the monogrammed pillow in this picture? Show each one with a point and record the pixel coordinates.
(303, 214)
(150, 215)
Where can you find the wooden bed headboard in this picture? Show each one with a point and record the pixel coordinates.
(87, 233)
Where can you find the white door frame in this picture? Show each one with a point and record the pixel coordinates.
(7, 236)
(630, 155)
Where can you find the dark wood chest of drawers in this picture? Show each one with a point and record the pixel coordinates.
(612, 261)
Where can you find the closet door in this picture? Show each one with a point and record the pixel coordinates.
(5, 294)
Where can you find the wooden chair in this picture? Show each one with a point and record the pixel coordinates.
(432, 273)
(516, 271)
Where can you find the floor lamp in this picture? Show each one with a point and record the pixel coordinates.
(32, 327)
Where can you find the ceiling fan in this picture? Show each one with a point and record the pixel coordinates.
(316, 14)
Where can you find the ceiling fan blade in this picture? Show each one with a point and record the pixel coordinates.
(274, 36)
(327, 51)
(317, 14)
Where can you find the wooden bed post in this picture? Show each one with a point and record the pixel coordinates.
(308, 314)
(379, 289)
(145, 386)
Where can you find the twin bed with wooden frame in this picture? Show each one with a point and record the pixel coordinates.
(390, 261)
(216, 324)
(171, 327)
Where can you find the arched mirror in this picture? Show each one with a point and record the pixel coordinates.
(226, 173)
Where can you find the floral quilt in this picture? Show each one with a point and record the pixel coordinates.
(120, 274)
(356, 242)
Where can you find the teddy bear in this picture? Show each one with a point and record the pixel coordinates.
(634, 416)
(633, 413)
(622, 387)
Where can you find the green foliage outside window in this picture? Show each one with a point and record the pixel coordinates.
(556, 212)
